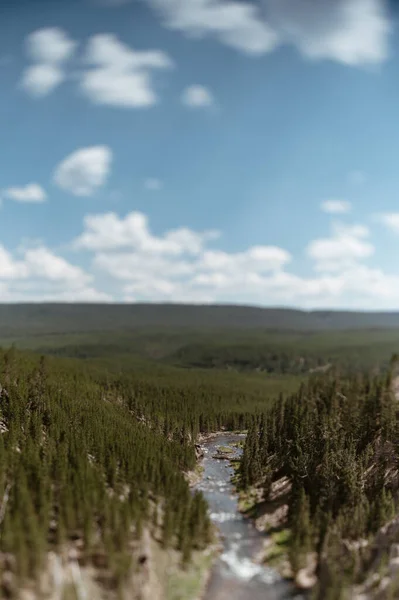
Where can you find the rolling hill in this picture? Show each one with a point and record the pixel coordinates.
(31, 319)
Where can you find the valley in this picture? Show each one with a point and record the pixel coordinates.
(146, 463)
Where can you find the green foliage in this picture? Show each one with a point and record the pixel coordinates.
(76, 463)
(337, 440)
(71, 318)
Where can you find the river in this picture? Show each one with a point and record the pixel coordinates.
(235, 575)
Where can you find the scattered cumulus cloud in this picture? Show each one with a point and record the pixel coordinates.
(40, 275)
(31, 193)
(40, 263)
(84, 171)
(335, 207)
(258, 258)
(58, 294)
(197, 96)
(9, 268)
(142, 267)
(182, 265)
(145, 267)
(352, 32)
(343, 248)
(390, 220)
(49, 49)
(108, 231)
(236, 24)
(118, 75)
(40, 80)
(111, 74)
(50, 46)
(153, 184)
(43, 263)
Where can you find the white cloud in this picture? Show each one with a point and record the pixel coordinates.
(36, 292)
(10, 268)
(40, 275)
(236, 24)
(43, 263)
(32, 193)
(40, 80)
(153, 184)
(84, 171)
(165, 291)
(109, 232)
(49, 49)
(40, 263)
(140, 266)
(197, 96)
(257, 259)
(342, 249)
(335, 206)
(119, 76)
(353, 32)
(176, 265)
(182, 266)
(50, 46)
(390, 220)
(113, 74)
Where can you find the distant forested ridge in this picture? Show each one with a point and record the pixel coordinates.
(236, 338)
(64, 318)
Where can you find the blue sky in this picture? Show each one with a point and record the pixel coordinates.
(205, 151)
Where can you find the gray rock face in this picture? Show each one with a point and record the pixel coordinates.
(199, 453)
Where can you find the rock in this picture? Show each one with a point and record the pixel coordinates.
(73, 554)
(8, 561)
(394, 551)
(285, 570)
(199, 453)
(7, 585)
(53, 526)
(393, 566)
(385, 584)
(306, 578)
(273, 520)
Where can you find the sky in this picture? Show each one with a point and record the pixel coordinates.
(205, 151)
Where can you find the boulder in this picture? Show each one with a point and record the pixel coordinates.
(306, 578)
(199, 453)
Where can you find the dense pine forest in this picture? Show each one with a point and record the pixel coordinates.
(336, 442)
(94, 454)
(79, 469)
(98, 432)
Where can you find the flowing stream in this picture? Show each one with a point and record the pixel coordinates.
(235, 575)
